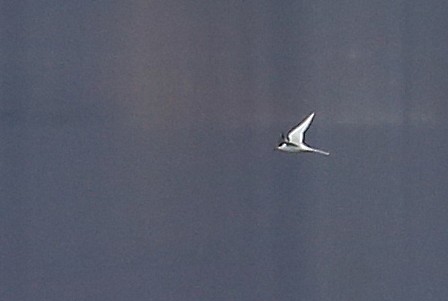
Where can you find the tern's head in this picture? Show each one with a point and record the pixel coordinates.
(282, 145)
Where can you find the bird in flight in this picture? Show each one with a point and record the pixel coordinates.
(294, 142)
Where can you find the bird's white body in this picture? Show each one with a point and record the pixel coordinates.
(294, 140)
(293, 148)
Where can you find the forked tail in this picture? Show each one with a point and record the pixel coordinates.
(320, 151)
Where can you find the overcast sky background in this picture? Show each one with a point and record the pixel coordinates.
(137, 161)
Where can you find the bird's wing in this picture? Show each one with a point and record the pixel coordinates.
(297, 133)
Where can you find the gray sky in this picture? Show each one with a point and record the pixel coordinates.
(137, 156)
